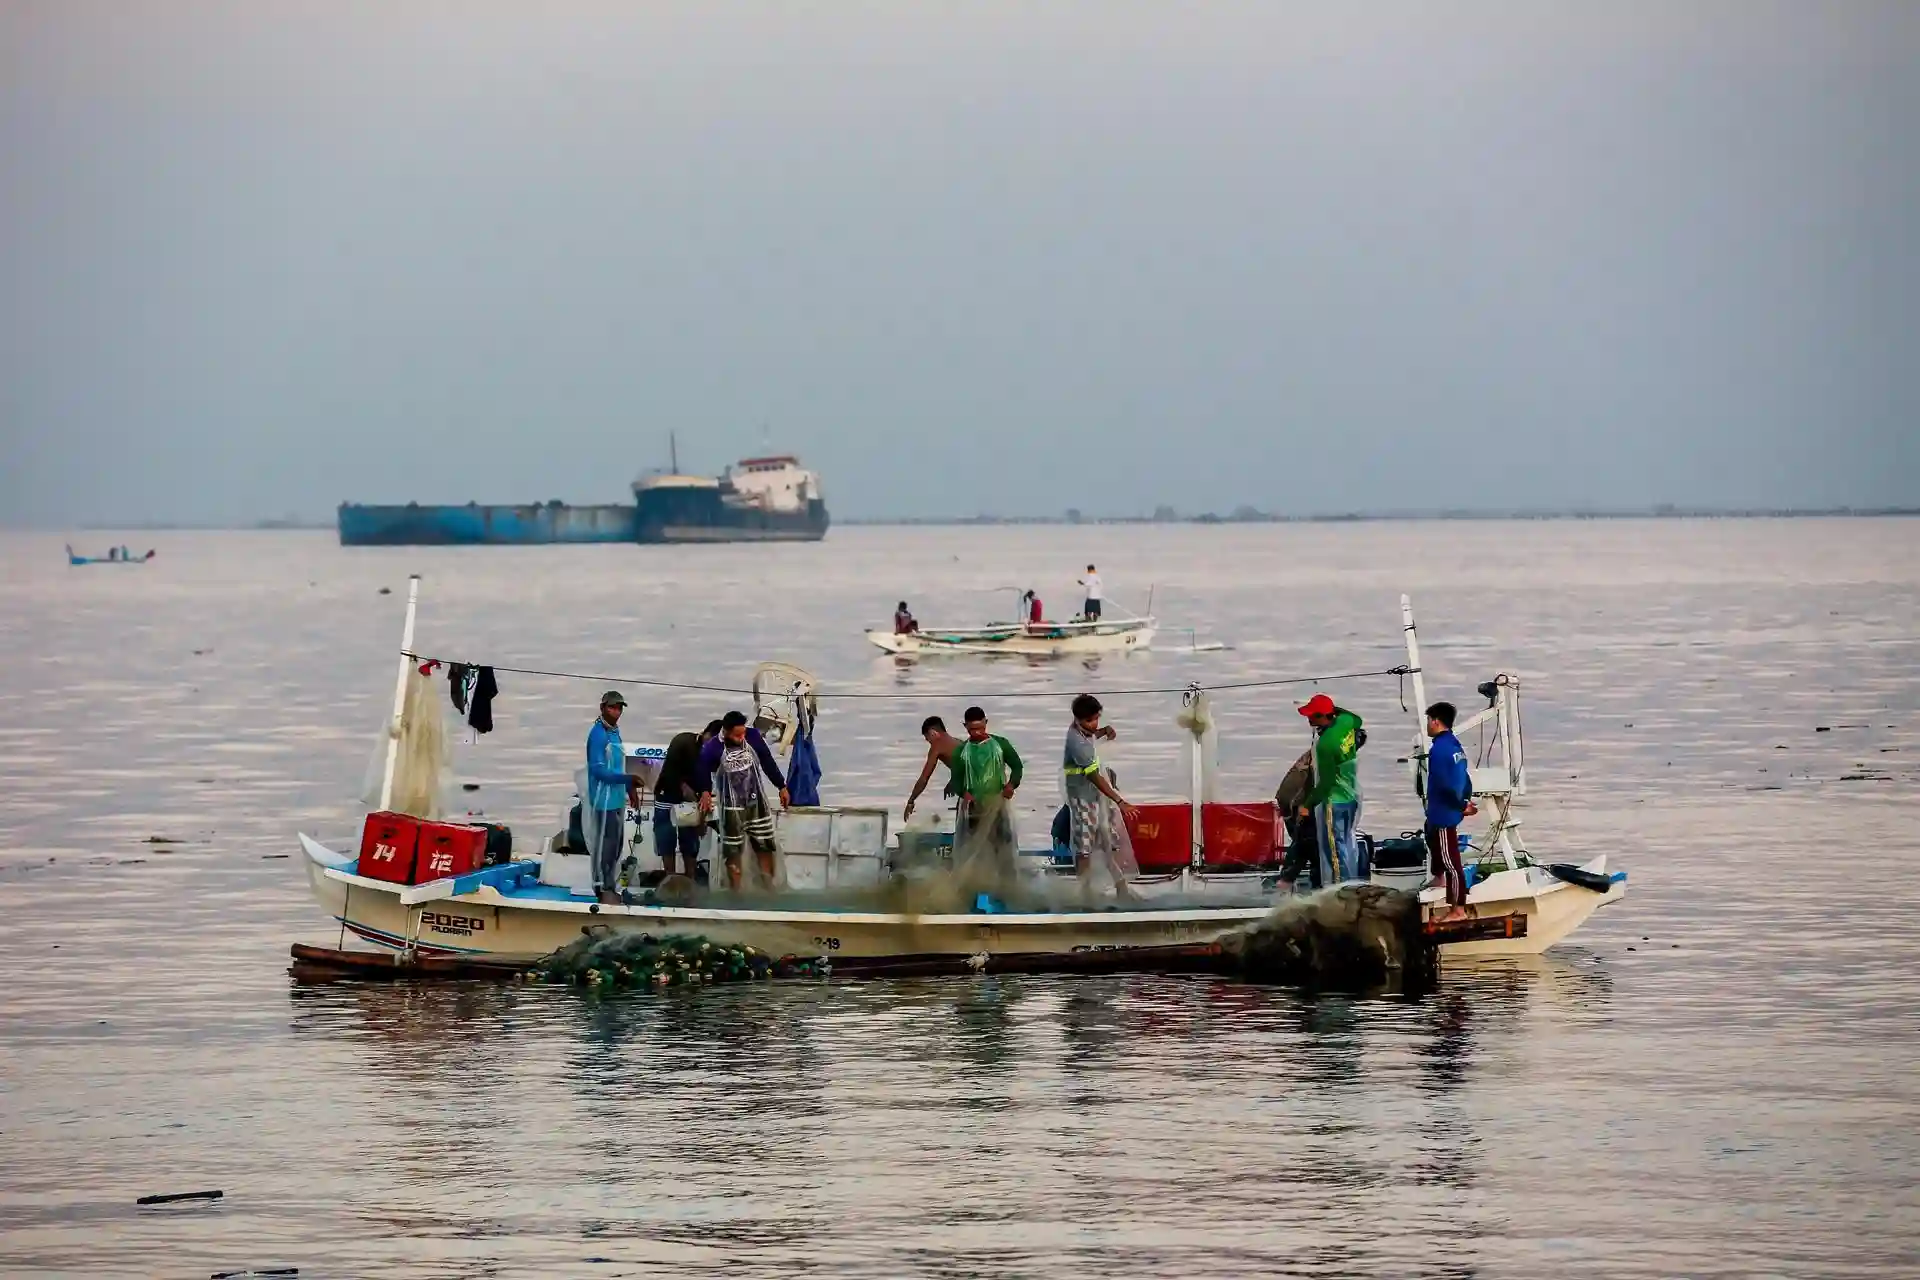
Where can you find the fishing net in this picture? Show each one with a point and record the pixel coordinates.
(1351, 937)
(986, 850)
(1200, 746)
(422, 765)
(634, 961)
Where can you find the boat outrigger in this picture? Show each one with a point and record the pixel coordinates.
(846, 883)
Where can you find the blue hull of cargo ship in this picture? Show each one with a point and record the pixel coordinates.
(476, 525)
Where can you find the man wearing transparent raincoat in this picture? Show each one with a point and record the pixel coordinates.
(1102, 853)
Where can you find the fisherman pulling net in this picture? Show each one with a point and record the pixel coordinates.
(986, 773)
(1103, 857)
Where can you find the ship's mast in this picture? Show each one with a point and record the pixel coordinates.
(673, 452)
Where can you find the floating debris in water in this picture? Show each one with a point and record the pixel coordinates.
(386, 591)
(162, 840)
(628, 961)
(173, 1196)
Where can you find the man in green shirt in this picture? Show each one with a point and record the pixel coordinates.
(1334, 797)
(986, 772)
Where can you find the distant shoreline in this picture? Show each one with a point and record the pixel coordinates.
(1245, 516)
(1164, 516)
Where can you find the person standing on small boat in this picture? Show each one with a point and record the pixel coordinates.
(1449, 799)
(1334, 798)
(940, 748)
(673, 792)
(1097, 812)
(730, 778)
(986, 771)
(1091, 609)
(609, 789)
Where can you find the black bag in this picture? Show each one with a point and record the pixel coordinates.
(576, 834)
(1406, 852)
(499, 844)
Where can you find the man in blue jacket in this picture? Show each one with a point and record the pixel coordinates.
(1449, 799)
(610, 789)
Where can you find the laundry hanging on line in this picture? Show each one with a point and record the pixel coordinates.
(473, 690)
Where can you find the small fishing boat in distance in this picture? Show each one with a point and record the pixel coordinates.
(117, 555)
(1027, 639)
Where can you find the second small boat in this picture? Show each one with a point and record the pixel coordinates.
(1038, 639)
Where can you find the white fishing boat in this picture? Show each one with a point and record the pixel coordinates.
(838, 866)
(1035, 639)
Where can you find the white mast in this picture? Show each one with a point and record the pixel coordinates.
(1417, 760)
(395, 726)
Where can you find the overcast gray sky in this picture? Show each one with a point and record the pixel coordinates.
(1002, 255)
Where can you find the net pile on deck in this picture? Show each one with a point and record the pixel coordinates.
(630, 960)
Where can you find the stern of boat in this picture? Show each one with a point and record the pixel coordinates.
(1553, 908)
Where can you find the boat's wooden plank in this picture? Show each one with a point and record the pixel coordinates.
(1476, 928)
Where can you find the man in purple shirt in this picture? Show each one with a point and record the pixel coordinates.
(730, 778)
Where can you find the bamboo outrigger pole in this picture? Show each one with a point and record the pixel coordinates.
(397, 724)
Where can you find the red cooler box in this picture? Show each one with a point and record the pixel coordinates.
(1241, 835)
(387, 847)
(1162, 837)
(449, 849)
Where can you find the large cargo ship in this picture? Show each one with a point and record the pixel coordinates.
(770, 499)
(758, 500)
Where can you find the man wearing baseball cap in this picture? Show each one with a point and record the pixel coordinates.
(609, 789)
(1334, 797)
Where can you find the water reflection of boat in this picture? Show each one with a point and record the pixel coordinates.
(837, 889)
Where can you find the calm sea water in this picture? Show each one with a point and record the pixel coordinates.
(1716, 1077)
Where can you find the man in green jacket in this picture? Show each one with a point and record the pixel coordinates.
(1334, 797)
(986, 772)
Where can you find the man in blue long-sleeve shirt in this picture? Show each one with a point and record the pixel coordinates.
(609, 790)
(731, 765)
(1449, 799)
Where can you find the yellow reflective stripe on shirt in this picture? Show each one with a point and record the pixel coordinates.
(1086, 770)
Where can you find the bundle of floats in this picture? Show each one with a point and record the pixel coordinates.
(1209, 899)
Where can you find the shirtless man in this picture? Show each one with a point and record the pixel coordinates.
(940, 749)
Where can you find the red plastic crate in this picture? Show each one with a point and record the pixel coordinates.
(387, 847)
(1241, 835)
(449, 849)
(1162, 837)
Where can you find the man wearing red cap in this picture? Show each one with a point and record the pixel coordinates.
(1334, 797)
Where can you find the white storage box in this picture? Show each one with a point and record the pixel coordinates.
(833, 848)
(570, 871)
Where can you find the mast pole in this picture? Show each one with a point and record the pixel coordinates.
(398, 722)
(673, 451)
(1417, 759)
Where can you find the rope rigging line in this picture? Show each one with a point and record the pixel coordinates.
(916, 694)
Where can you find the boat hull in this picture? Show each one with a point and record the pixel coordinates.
(476, 525)
(486, 923)
(1552, 907)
